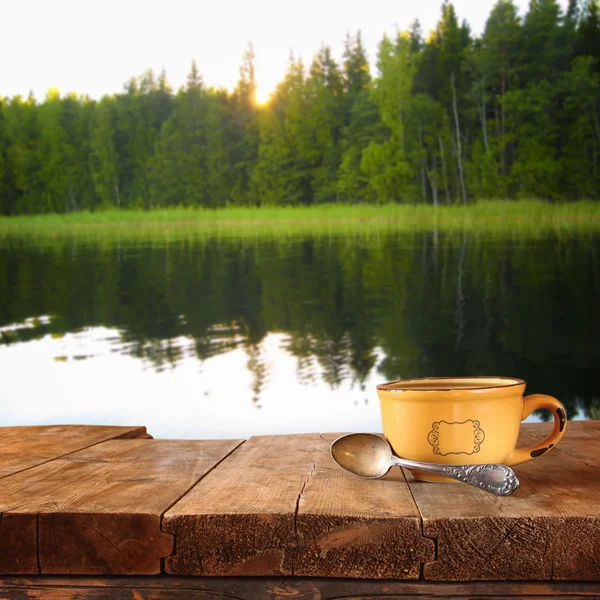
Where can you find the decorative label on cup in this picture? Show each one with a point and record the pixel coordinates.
(464, 437)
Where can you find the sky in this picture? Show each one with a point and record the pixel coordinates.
(93, 48)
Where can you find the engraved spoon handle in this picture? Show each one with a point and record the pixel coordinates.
(496, 479)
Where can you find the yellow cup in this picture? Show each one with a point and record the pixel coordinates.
(463, 420)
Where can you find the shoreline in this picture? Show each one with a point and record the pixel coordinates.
(485, 216)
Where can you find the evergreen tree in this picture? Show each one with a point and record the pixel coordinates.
(360, 121)
(23, 134)
(385, 162)
(581, 151)
(445, 79)
(500, 54)
(588, 32)
(324, 98)
(143, 110)
(245, 133)
(536, 170)
(8, 193)
(105, 160)
(217, 152)
(283, 173)
(62, 156)
(545, 50)
(179, 167)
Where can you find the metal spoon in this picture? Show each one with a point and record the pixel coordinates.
(370, 456)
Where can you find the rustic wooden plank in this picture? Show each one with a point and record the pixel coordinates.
(581, 440)
(18, 551)
(24, 447)
(278, 506)
(239, 520)
(261, 588)
(352, 527)
(100, 508)
(549, 529)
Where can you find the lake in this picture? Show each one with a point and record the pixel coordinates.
(208, 337)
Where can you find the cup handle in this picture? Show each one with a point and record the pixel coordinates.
(531, 403)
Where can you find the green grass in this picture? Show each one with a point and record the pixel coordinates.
(499, 216)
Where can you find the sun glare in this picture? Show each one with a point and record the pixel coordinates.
(262, 94)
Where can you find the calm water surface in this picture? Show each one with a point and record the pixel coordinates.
(207, 338)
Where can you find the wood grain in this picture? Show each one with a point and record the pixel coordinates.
(18, 550)
(100, 508)
(240, 519)
(279, 506)
(549, 529)
(581, 440)
(261, 588)
(27, 446)
(352, 527)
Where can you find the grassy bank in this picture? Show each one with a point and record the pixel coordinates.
(485, 216)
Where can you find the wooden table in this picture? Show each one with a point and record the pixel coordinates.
(108, 512)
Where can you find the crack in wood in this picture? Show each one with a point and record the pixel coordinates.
(296, 536)
(502, 540)
(422, 524)
(435, 546)
(105, 538)
(162, 516)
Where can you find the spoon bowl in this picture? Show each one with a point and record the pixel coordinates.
(364, 454)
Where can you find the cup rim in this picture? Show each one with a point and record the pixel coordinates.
(386, 387)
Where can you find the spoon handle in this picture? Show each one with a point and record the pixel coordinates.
(496, 479)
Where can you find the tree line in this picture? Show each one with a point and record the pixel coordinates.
(445, 119)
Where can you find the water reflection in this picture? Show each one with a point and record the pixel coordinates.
(213, 337)
(211, 399)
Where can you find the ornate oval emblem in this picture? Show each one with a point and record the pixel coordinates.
(456, 437)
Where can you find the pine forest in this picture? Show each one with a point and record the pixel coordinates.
(439, 118)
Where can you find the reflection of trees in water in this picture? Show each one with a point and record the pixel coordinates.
(333, 356)
(160, 353)
(304, 349)
(218, 339)
(257, 366)
(427, 304)
(459, 317)
(333, 361)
